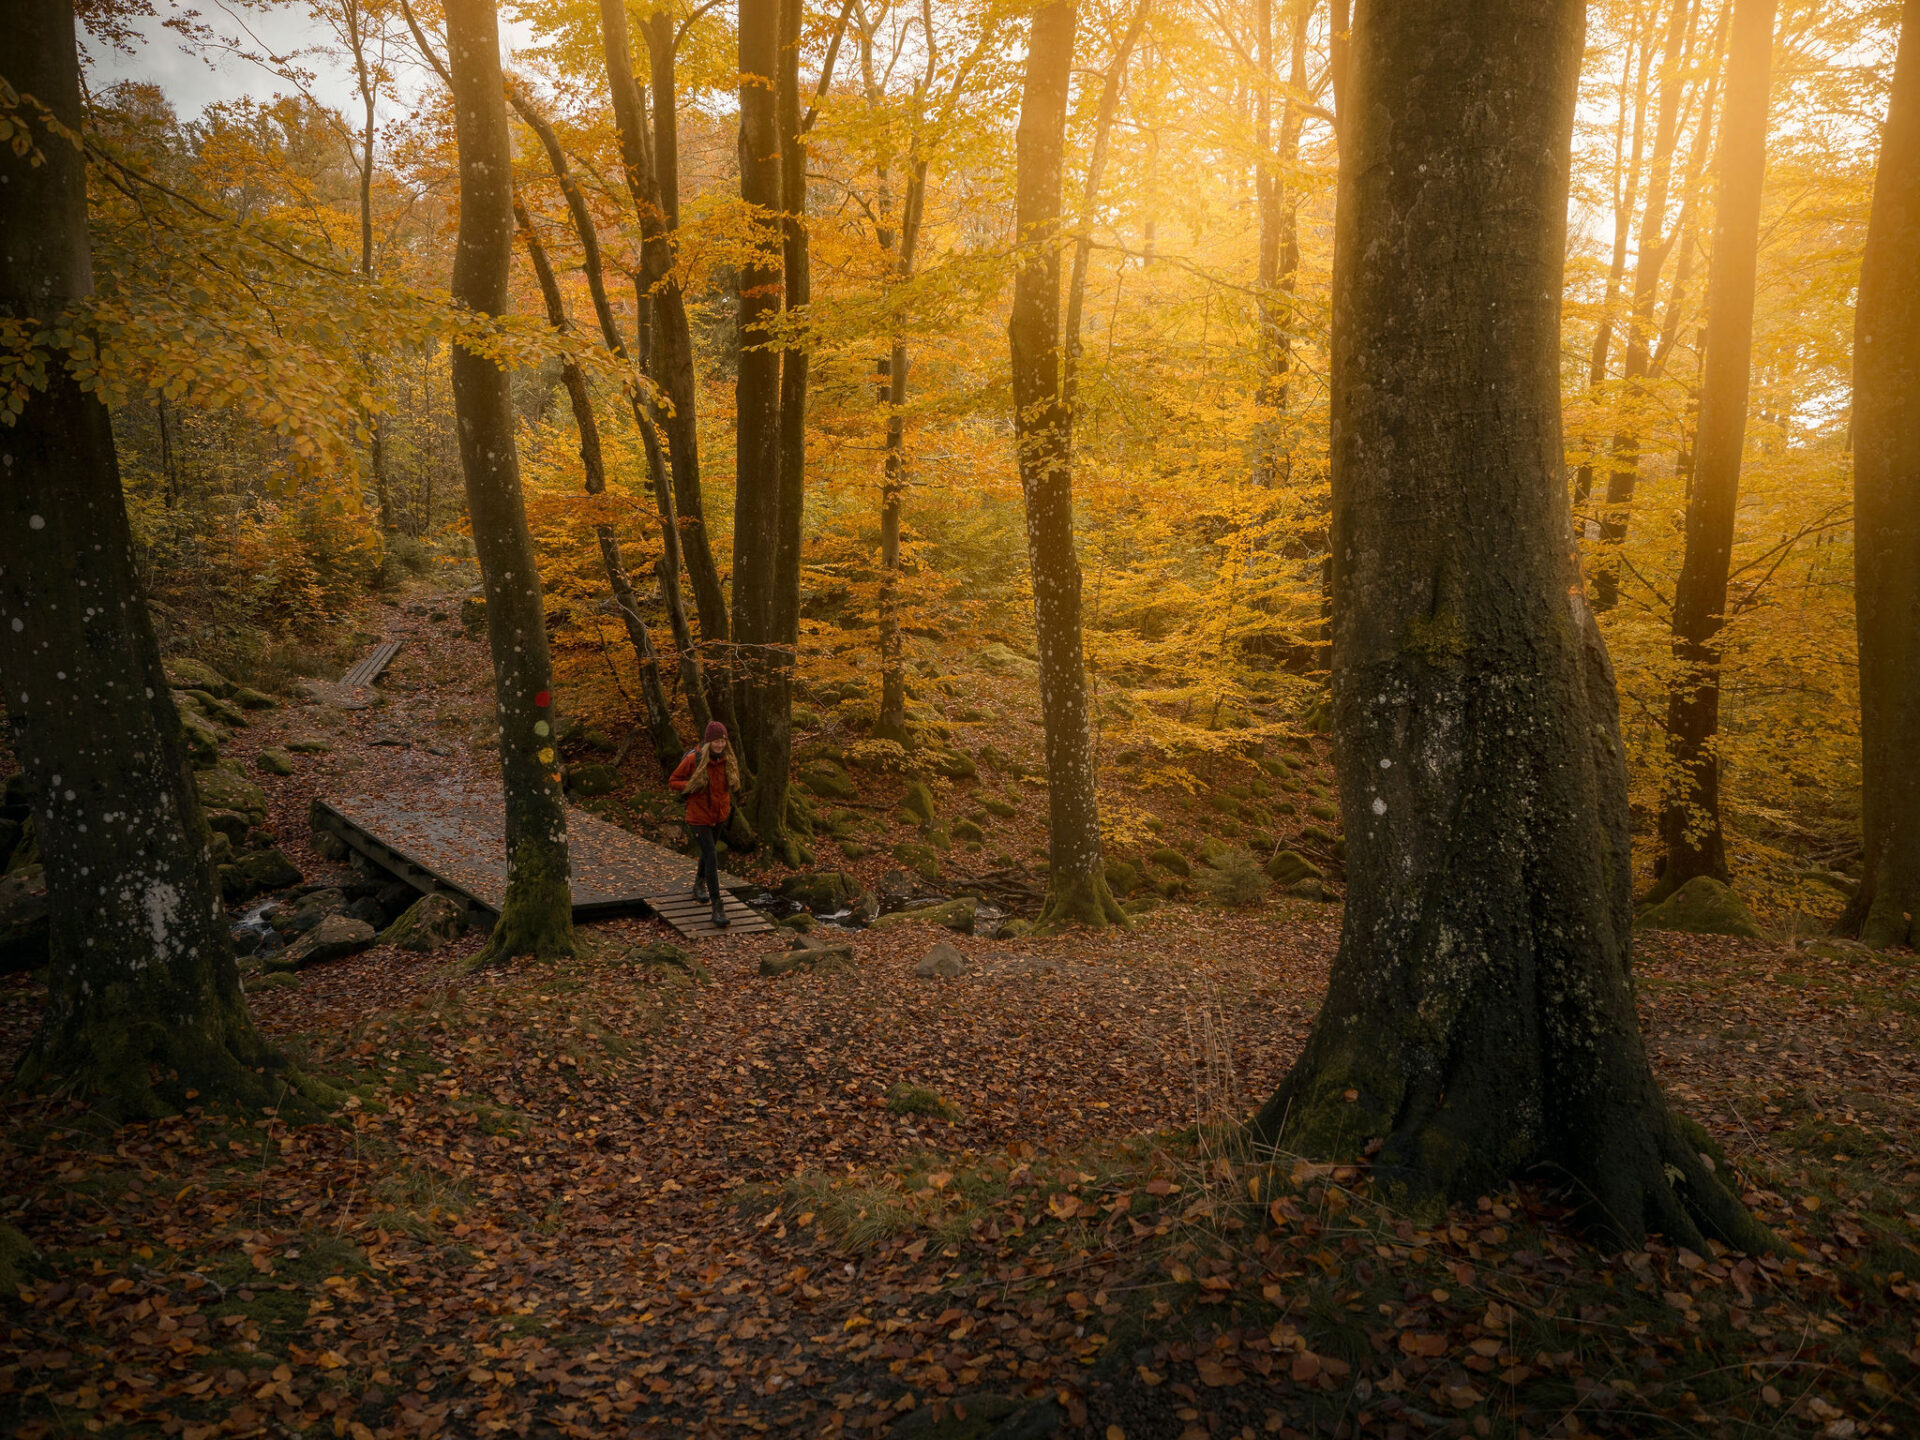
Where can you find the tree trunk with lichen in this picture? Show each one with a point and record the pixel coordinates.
(536, 918)
(1076, 880)
(144, 1011)
(667, 747)
(1479, 1020)
(1886, 492)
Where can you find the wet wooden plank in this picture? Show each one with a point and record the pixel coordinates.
(370, 666)
(455, 837)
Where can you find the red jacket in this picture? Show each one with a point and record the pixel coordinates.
(711, 806)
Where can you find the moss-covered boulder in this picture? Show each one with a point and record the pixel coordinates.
(923, 860)
(824, 891)
(1171, 861)
(954, 764)
(203, 737)
(828, 779)
(1702, 906)
(260, 870)
(1122, 878)
(967, 830)
(993, 805)
(1290, 867)
(592, 778)
(273, 761)
(309, 745)
(955, 915)
(226, 787)
(248, 698)
(333, 938)
(186, 673)
(214, 708)
(918, 802)
(998, 659)
(429, 923)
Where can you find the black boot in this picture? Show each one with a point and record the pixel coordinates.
(720, 913)
(700, 891)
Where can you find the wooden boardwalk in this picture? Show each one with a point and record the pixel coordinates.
(452, 839)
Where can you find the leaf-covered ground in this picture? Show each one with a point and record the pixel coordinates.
(609, 1197)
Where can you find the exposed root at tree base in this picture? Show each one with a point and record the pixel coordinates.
(1649, 1171)
(1084, 900)
(536, 919)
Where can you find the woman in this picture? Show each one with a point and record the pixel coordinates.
(707, 778)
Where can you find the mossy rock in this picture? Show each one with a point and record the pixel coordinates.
(1224, 803)
(824, 891)
(248, 698)
(829, 780)
(1014, 929)
(1122, 878)
(1702, 906)
(592, 778)
(955, 915)
(273, 761)
(429, 923)
(1212, 849)
(308, 745)
(923, 860)
(267, 870)
(230, 823)
(1321, 810)
(993, 805)
(1290, 867)
(226, 787)
(998, 659)
(950, 763)
(272, 980)
(918, 802)
(854, 850)
(967, 830)
(213, 707)
(203, 738)
(185, 673)
(801, 921)
(1314, 835)
(1171, 861)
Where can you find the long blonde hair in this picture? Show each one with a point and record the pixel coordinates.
(697, 781)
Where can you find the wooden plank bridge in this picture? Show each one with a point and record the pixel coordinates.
(452, 839)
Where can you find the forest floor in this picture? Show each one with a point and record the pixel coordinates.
(611, 1197)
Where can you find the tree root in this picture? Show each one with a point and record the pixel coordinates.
(1083, 900)
(535, 919)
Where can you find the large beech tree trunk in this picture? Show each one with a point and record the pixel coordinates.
(1043, 429)
(667, 746)
(1690, 820)
(773, 709)
(756, 504)
(669, 355)
(1886, 534)
(1479, 1019)
(537, 915)
(143, 998)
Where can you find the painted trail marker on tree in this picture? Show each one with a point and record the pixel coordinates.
(452, 838)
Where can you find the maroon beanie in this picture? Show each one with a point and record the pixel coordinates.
(716, 730)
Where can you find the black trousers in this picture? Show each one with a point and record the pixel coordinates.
(709, 875)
